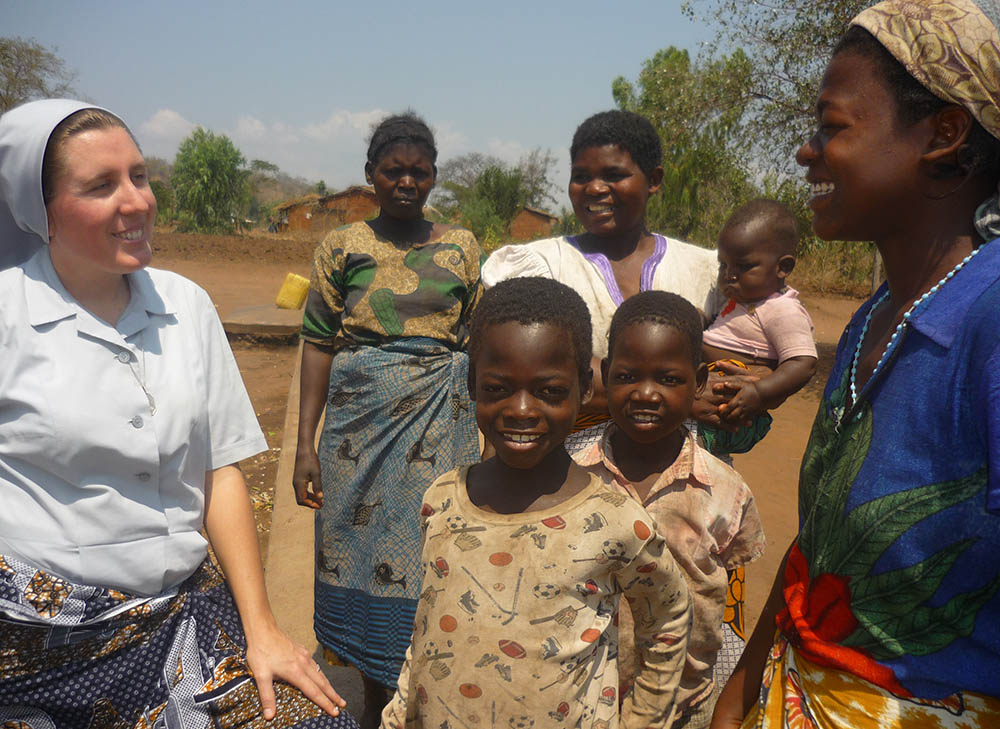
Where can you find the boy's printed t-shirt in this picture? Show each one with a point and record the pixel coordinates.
(706, 513)
(517, 621)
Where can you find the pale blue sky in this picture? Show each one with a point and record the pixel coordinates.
(299, 83)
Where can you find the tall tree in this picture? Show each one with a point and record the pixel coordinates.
(28, 70)
(490, 204)
(164, 201)
(788, 44)
(210, 182)
(457, 176)
(698, 108)
(536, 176)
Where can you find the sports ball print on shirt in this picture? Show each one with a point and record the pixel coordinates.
(517, 619)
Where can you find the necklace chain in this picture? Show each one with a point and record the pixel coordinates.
(899, 328)
(142, 380)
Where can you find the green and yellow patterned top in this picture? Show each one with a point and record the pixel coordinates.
(365, 289)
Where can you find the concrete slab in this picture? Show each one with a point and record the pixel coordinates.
(288, 565)
(263, 321)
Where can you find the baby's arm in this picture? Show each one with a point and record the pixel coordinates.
(658, 597)
(753, 398)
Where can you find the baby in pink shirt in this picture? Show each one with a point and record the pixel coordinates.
(764, 324)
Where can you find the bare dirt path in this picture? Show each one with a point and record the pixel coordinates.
(240, 272)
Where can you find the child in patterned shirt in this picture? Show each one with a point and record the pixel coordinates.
(702, 507)
(527, 555)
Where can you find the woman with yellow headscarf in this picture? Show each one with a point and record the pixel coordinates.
(884, 612)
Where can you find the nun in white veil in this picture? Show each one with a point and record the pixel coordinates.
(122, 421)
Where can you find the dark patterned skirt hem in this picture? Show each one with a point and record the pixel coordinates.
(177, 662)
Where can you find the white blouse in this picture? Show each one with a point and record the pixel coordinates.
(681, 268)
(107, 432)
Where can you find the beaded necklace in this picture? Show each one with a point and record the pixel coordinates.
(899, 329)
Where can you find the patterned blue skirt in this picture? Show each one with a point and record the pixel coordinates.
(397, 417)
(82, 657)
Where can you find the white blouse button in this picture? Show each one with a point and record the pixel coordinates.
(136, 421)
(124, 357)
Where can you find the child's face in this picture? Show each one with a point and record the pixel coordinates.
(865, 167)
(403, 177)
(608, 190)
(749, 267)
(527, 389)
(651, 381)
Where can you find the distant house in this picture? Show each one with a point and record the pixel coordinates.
(294, 215)
(319, 214)
(532, 223)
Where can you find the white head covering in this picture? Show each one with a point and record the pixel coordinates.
(24, 132)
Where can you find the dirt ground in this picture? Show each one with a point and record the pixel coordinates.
(239, 272)
(243, 271)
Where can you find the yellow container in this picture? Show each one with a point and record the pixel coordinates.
(293, 292)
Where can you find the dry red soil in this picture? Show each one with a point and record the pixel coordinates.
(248, 271)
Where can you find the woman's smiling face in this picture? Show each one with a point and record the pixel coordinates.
(102, 210)
(862, 162)
(609, 191)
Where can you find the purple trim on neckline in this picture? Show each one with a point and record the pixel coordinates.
(603, 265)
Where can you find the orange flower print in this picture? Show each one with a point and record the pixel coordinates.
(46, 594)
(796, 711)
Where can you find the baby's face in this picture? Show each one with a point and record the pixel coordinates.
(527, 389)
(651, 381)
(749, 267)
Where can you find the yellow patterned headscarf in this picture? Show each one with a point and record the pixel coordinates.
(952, 47)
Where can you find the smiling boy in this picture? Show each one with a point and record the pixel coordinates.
(528, 556)
(702, 507)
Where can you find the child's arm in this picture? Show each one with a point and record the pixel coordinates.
(747, 543)
(754, 398)
(394, 713)
(658, 597)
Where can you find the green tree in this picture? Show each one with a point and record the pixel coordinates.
(264, 168)
(568, 223)
(29, 70)
(536, 177)
(211, 182)
(698, 109)
(489, 204)
(788, 44)
(321, 188)
(457, 176)
(164, 201)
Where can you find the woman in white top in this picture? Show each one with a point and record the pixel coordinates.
(122, 421)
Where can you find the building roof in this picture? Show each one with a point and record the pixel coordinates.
(311, 199)
(366, 190)
(541, 213)
(315, 198)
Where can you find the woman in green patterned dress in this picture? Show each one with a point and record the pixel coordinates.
(385, 328)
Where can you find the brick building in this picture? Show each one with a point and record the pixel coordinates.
(531, 224)
(319, 214)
